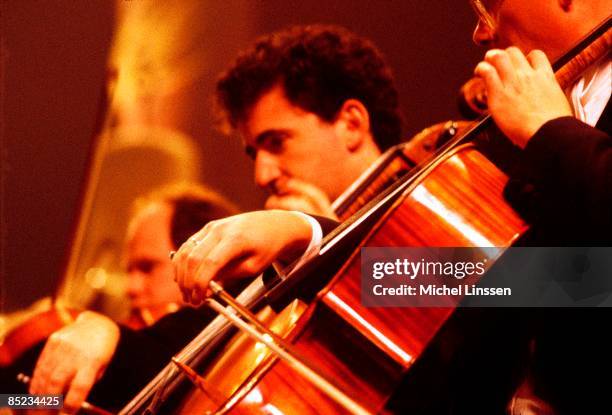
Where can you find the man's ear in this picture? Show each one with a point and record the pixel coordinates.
(353, 123)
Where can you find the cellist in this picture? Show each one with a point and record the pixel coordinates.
(565, 176)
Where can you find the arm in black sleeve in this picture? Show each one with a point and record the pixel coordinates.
(566, 178)
(141, 354)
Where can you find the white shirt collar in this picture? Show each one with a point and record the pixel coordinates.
(590, 95)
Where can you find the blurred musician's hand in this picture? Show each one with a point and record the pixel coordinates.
(522, 92)
(295, 194)
(237, 247)
(74, 358)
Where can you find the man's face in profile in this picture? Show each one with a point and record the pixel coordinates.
(526, 24)
(287, 142)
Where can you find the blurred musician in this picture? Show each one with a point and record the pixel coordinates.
(161, 222)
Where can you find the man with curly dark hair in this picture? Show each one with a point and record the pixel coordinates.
(315, 105)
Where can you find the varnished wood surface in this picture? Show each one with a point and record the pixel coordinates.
(464, 192)
(396, 162)
(596, 50)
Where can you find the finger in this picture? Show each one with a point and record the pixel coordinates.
(186, 296)
(44, 367)
(518, 59)
(57, 380)
(279, 186)
(301, 202)
(211, 266)
(538, 61)
(225, 261)
(193, 252)
(190, 287)
(79, 389)
(196, 296)
(273, 202)
(294, 185)
(502, 63)
(312, 193)
(186, 248)
(60, 380)
(199, 253)
(178, 261)
(286, 203)
(489, 75)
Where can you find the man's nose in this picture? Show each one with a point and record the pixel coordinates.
(483, 34)
(267, 171)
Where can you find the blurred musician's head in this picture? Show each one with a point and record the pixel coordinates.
(313, 103)
(161, 222)
(549, 25)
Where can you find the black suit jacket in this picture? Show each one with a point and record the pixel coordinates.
(563, 184)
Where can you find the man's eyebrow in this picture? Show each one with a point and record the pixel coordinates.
(261, 138)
